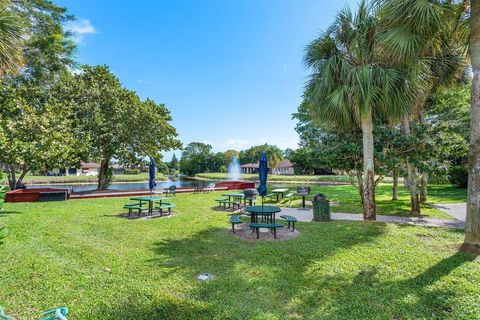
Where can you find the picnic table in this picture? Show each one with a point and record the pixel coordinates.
(151, 200)
(278, 192)
(266, 212)
(233, 195)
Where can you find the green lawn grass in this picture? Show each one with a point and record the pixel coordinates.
(347, 199)
(81, 254)
(89, 179)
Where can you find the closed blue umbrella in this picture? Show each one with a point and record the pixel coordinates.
(262, 175)
(151, 174)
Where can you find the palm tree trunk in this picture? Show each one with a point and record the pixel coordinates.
(412, 175)
(369, 208)
(472, 223)
(395, 185)
(424, 188)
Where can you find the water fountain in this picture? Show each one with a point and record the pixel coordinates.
(234, 176)
(234, 170)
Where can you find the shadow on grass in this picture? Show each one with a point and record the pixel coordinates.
(6, 213)
(419, 297)
(252, 279)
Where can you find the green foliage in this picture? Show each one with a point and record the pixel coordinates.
(196, 158)
(253, 154)
(12, 34)
(458, 176)
(34, 123)
(162, 167)
(174, 164)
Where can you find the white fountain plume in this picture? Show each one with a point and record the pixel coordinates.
(234, 170)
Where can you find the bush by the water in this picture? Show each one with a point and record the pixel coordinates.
(132, 171)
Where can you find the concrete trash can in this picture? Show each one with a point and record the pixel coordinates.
(321, 208)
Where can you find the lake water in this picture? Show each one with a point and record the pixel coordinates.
(75, 187)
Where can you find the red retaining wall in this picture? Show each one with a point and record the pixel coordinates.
(29, 195)
(235, 185)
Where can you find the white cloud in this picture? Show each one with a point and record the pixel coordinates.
(81, 28)
(145, 82)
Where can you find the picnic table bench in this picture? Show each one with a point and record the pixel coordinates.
(272, 226)
(235, 219)
(165, 206)
(134, 206)
(291, 221)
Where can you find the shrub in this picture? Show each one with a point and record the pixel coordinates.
(459, 176)
(132, 171)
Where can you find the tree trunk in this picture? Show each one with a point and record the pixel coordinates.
(424, 188)
(12, 181)
(472, 223)
(369, 208)
(412, 176)
(395, 185)
(104, 175)
(360, 184)
(22, 175)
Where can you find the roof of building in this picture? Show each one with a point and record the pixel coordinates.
(90, 165)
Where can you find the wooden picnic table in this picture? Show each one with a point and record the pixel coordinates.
(279, 192)
(151, 200)
(267, 212)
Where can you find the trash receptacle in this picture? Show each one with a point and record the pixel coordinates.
(321, 208)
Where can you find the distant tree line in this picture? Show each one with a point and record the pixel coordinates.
(198, 157)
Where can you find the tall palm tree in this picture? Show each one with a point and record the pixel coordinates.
(352, 82)
(472, 226)
(417, 21)
(11, 38)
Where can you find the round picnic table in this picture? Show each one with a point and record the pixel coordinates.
(266, 212)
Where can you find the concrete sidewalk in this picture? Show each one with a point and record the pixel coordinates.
(456, 210)
(306, 215)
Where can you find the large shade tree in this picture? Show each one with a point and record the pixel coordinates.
(352, 82)
(116, 124)
(33, 126)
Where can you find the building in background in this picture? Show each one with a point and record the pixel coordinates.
(284, 168)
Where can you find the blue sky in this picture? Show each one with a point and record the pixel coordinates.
(231, 72)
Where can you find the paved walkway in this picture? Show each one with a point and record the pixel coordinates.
(306, 215)
(456, 210)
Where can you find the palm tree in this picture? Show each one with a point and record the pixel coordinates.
(417, 22)
(352, 83)
(274, 155)
(11, 38)
(472, 226)
(435, 52)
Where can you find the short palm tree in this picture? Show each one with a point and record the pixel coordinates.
(435, 52)
(11, 38)
(352, 82)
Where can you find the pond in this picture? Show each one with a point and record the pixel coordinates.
(78, 187)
